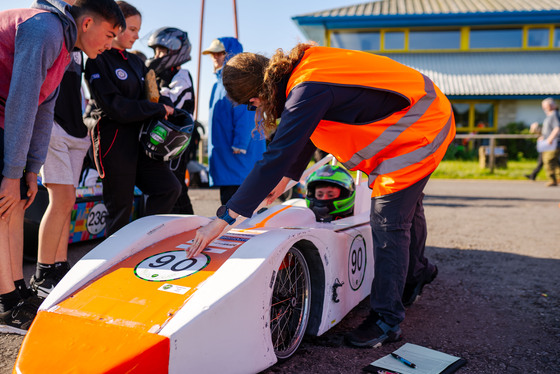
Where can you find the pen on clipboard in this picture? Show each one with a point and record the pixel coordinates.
(403, 360)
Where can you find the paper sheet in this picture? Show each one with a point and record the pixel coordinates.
(427, 360)
(543, 146)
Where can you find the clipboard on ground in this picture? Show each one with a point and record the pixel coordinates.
(427, 361)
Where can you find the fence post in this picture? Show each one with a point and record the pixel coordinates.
(492, 155)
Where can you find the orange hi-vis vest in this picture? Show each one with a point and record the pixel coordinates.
(396, 151)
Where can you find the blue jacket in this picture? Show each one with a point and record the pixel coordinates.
(231, 127)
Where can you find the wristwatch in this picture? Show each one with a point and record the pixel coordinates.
(223, 213)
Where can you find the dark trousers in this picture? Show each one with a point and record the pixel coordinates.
(537, 168)
(399, 240)
(125, 165)
(226, 192)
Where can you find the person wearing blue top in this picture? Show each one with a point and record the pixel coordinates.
(233, 146)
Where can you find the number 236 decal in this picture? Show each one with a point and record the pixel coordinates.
(169, 266)
(357, 262)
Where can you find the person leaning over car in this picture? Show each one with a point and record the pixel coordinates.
(373, 114)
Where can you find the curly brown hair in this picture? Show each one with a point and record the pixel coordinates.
(249, 75)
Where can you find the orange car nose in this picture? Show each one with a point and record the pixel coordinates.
(58, 343)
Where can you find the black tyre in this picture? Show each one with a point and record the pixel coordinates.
(291, 303)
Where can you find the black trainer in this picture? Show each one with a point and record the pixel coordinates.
(373, 332)
(34, 302)
(412, 291)
(18, 319)
(43, 287)
(61, 269)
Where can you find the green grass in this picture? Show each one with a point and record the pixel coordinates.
(471, 170)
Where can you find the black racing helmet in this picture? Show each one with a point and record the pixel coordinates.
(165, 140)
(339, 207)
(176, 42)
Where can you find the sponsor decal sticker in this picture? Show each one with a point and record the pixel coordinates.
(180, 290)
(236, 238)
(222, 244)
(214, 250)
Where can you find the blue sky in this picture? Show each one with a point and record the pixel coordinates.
(264, 26)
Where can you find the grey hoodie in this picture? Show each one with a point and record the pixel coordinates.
(27, 125)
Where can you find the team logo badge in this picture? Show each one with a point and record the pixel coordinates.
(121, 74)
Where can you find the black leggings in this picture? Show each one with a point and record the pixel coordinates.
(125, 165)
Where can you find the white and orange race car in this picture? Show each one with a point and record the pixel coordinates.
(136, 304)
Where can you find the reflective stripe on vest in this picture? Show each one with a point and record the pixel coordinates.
(400, 162)
(392, 132)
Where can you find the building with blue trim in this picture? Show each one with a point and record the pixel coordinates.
(494, 59)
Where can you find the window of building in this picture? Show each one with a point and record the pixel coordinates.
(361, 41)
(315, 33)
(496, 38)
(474, 116)
(556, 42)
(538, 37)
(444, 39)
(461, 113)
(394, 40)
(483, 116)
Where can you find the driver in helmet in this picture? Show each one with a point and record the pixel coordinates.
(172, 48)
(331, 193)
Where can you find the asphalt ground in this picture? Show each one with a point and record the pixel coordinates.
(496, 301)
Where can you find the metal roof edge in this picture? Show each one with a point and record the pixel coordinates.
(437, 19)
(502, 97)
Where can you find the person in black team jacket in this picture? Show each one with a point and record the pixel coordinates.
(172, 48)
(116, 82)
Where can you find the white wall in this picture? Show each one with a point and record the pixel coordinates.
(529, 111)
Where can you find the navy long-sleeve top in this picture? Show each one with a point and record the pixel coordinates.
(291, 149)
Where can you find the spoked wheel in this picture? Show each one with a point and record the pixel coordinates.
(291, 301)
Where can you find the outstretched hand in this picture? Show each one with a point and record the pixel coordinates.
(32, 188)
(205, 235)
(9, 196)
(168, 111)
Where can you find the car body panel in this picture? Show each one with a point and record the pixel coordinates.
(213, 311)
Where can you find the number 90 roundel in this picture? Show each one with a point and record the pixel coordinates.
(168, 266)
(357, 262)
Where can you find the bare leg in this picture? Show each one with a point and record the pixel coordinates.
(62, 251)
(16, 240)
(54, 227)
(6, 280)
